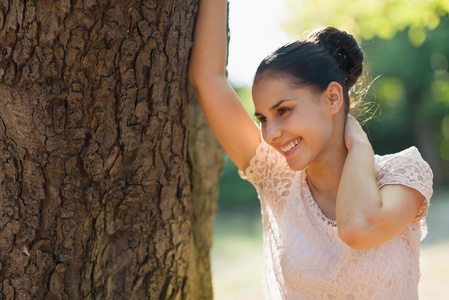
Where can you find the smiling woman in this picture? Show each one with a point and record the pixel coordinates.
(335, 216)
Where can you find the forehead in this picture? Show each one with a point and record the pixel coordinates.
(272, 86)
(276, 89)
(270, 92)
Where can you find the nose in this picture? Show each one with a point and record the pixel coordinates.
(271, 132)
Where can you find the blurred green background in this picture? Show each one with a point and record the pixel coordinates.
(406, 43)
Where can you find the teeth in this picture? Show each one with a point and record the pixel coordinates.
(291, 145)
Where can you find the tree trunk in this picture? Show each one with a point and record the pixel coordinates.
(95, 172)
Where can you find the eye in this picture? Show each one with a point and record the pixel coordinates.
(283, 110)
(262, 119)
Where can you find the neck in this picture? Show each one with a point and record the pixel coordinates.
(323, 175)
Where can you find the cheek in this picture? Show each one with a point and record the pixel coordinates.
(317, 130)
(324, 131)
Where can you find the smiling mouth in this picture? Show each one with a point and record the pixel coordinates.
(290, 146)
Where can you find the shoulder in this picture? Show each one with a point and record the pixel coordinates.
(265, 164)
(407, 159)
(407, 168)
(411, 152)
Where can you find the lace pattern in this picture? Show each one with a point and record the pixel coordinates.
(304, 258)
(407, 168)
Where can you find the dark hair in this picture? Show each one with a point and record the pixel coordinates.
(326, 55)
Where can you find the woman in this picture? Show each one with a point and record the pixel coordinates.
(339, 222)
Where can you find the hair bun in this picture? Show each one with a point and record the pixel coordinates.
(343, 47)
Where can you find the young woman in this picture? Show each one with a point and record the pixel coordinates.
(339, 222)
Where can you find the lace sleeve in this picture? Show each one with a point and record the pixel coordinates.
(409, 169)
(260, 165)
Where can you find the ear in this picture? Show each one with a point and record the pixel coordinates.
(334, 97)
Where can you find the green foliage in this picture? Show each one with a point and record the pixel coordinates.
(234, 192)
(368, 19)
(390, 91)
(413, 88)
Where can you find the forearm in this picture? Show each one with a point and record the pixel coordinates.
(231, 124)
(209, 52)
(366, 215)
(358, 198)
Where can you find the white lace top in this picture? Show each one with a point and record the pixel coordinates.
(304, 258)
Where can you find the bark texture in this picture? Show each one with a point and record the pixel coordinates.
(95, 172)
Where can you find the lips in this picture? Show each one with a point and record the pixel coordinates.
(290, 145)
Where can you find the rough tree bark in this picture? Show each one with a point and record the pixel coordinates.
(96, 179)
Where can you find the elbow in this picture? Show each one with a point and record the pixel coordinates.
(202, 75)
(197, 73)
(356, 234)
(198, 77)
(192, 75)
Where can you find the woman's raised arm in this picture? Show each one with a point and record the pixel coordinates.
(231, 124)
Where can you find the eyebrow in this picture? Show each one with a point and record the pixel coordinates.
(257, 114)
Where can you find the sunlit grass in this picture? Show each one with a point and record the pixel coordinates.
(237, 256)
